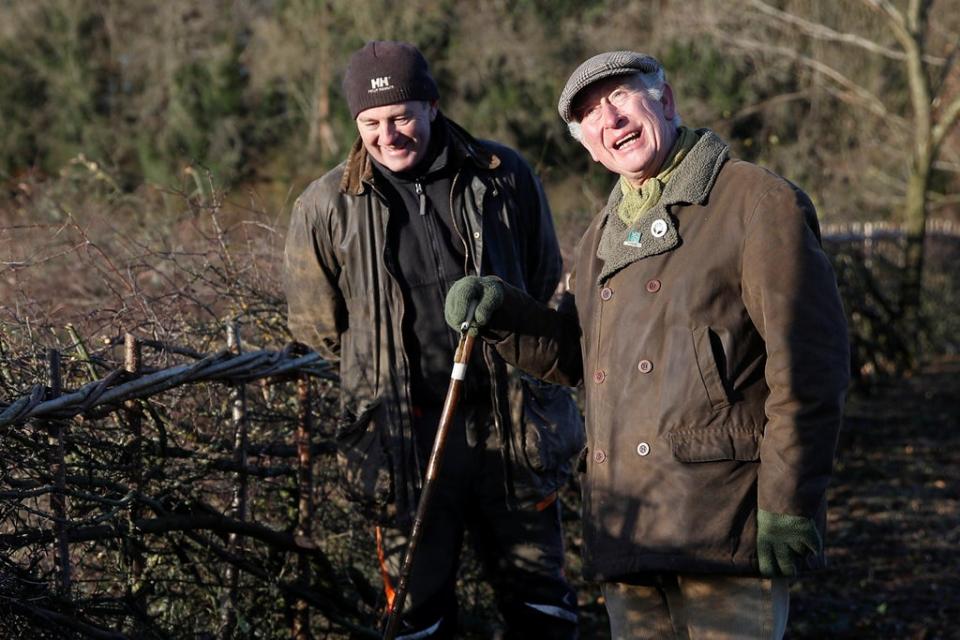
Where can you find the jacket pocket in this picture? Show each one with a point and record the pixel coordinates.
(706, 344)
(712, 445)
(365, 472)
(551, 428)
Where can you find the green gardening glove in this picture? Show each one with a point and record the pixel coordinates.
(488, 294)
(783, 541)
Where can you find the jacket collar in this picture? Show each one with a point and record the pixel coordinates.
(358, 168)
(656, 232)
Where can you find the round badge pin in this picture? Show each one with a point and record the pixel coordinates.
(659, 228)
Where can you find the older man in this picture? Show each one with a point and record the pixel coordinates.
(373, 247)
(705, 325)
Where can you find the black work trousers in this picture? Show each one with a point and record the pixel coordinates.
(520, 548)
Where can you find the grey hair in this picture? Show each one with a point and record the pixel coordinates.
(653, 84)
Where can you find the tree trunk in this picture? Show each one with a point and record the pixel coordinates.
(911, 283)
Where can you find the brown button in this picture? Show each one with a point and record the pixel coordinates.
(645, 366)
(653, 286)
(599, 376)
(599, 456)
(606, 293)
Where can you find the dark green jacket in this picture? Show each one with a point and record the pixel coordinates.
(344, 300)
(712, 346)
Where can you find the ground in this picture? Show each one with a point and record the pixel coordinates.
(894, 527)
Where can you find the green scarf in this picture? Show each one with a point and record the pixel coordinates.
(637, 201)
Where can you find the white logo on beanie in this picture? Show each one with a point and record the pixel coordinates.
(379, 84)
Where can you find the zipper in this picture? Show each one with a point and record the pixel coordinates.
(453, 218)
(397, 327)
(430, 224)
(421, 196)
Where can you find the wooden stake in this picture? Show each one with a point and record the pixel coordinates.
(238, 505)
(58, 499)
(133, 364)
(301, 615)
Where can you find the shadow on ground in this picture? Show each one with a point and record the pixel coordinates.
(894, 523)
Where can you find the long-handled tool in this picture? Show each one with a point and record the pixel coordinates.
(460, 359)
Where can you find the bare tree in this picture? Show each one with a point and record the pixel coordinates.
(864, 54)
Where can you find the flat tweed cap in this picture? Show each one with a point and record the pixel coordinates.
(385, 72)
(600, 66)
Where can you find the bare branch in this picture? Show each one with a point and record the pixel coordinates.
(64, 621)
(217, 366)
(947, 119)
(948, 66)
(822, 32)
(939, 200)
(894, 17)
(862, 95)
(165, 524)
(765, 104)
(319, 600)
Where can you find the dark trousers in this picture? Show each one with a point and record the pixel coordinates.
(520, 548)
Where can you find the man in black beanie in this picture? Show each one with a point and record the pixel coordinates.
(372, 250)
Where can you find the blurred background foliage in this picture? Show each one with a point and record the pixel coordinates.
(150, 152)
(251, 89)
(247, 93)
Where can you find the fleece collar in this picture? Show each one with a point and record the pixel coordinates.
(358, 168)
(655, 231)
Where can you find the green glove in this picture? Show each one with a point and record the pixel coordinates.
(783, 541)
(487, 292)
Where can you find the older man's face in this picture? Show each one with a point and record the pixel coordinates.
(397, 135)
(624, 129)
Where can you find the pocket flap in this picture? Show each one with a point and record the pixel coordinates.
(710, 445)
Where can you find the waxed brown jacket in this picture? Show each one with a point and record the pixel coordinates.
(714, 356)
(344, 300)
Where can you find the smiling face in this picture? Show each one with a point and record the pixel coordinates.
(624, 129)
(397, 135)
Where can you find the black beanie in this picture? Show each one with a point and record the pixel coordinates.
(386, 73)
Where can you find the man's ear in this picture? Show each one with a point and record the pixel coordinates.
(434, 108)
(669, 106)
